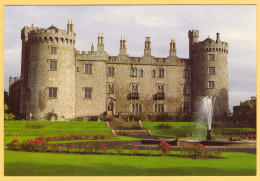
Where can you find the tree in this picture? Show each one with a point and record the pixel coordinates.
(245, 113)
(8, 116)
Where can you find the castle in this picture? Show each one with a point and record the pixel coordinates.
(57, 78)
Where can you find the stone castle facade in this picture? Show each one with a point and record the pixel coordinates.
(57, 78)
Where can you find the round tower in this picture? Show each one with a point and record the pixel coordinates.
(210, 72)
(51, 73)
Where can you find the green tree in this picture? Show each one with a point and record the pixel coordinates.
(245, 113)
(8, 116)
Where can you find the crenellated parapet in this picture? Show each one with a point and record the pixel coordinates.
(51, 34)
(209, 45)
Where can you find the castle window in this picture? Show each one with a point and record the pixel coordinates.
(112, 71)
(141, 73)
(109, 71)
(88, 93)
(187, 98)
(52, 92)
(159, 108)
(161, 88)
(161, 72)
(153, 73)
(186, 73)
(186, 107)
(133, 72)
(136, 108)
(111, 88)
(53, 50)
(134, 88)
(212, 70)
(211, 84)
(53, 64)
(186, 89)
(88, 68)
(211, 57)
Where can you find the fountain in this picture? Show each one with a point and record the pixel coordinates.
(205, 106)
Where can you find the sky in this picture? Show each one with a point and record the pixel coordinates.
(235, 23)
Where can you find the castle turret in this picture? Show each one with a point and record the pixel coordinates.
(147, 49)
(210, 71)
(48, 54)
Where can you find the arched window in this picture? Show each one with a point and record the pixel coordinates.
(153, 73)
(134, 88)
(141, 73)
(133, 72)
(155, 108)
(161, 72)
(109, 71)
(186, 89)
(186, 73)
(140, 108)
(112, 71)
(161, 88)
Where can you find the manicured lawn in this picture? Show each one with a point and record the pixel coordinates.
(56, 164)
(18, 129)
(184, 129)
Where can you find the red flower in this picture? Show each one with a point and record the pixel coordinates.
(15, 141)
(38, 141)
(32, 142)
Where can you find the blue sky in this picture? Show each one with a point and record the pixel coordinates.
(235, 23)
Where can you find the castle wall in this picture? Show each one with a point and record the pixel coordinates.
(200, 57)
(41, 78)
(50, 62)
(173, 82)
(95, 105)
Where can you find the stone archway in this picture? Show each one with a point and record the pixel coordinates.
(110, 107)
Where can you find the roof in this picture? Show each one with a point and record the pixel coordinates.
(208, 39)
(52, 28)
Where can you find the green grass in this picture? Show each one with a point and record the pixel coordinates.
(17, 130)
(55, 164)
(184, 129)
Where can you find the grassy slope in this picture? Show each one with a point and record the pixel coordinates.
(25, 163)
(180, 129)
(17, 129)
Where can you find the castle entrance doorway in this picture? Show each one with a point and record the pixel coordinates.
(110, 107)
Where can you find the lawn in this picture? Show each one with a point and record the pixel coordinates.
(186, 129)
(56, 164)
(24, 130)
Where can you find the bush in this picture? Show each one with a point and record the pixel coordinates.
(36, 126)
(8, 116)
(137, 117)
(50, 114)
(165, 148)
(163, 126)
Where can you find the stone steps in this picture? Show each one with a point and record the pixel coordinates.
(120, 127)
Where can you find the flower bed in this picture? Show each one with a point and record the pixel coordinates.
(41, 144)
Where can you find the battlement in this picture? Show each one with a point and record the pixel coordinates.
(51, 34)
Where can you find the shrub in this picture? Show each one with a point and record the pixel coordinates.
(200, 151)
(165, 148)
(37, 126)
(137, 117)
(163, 126)
(50, 114)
